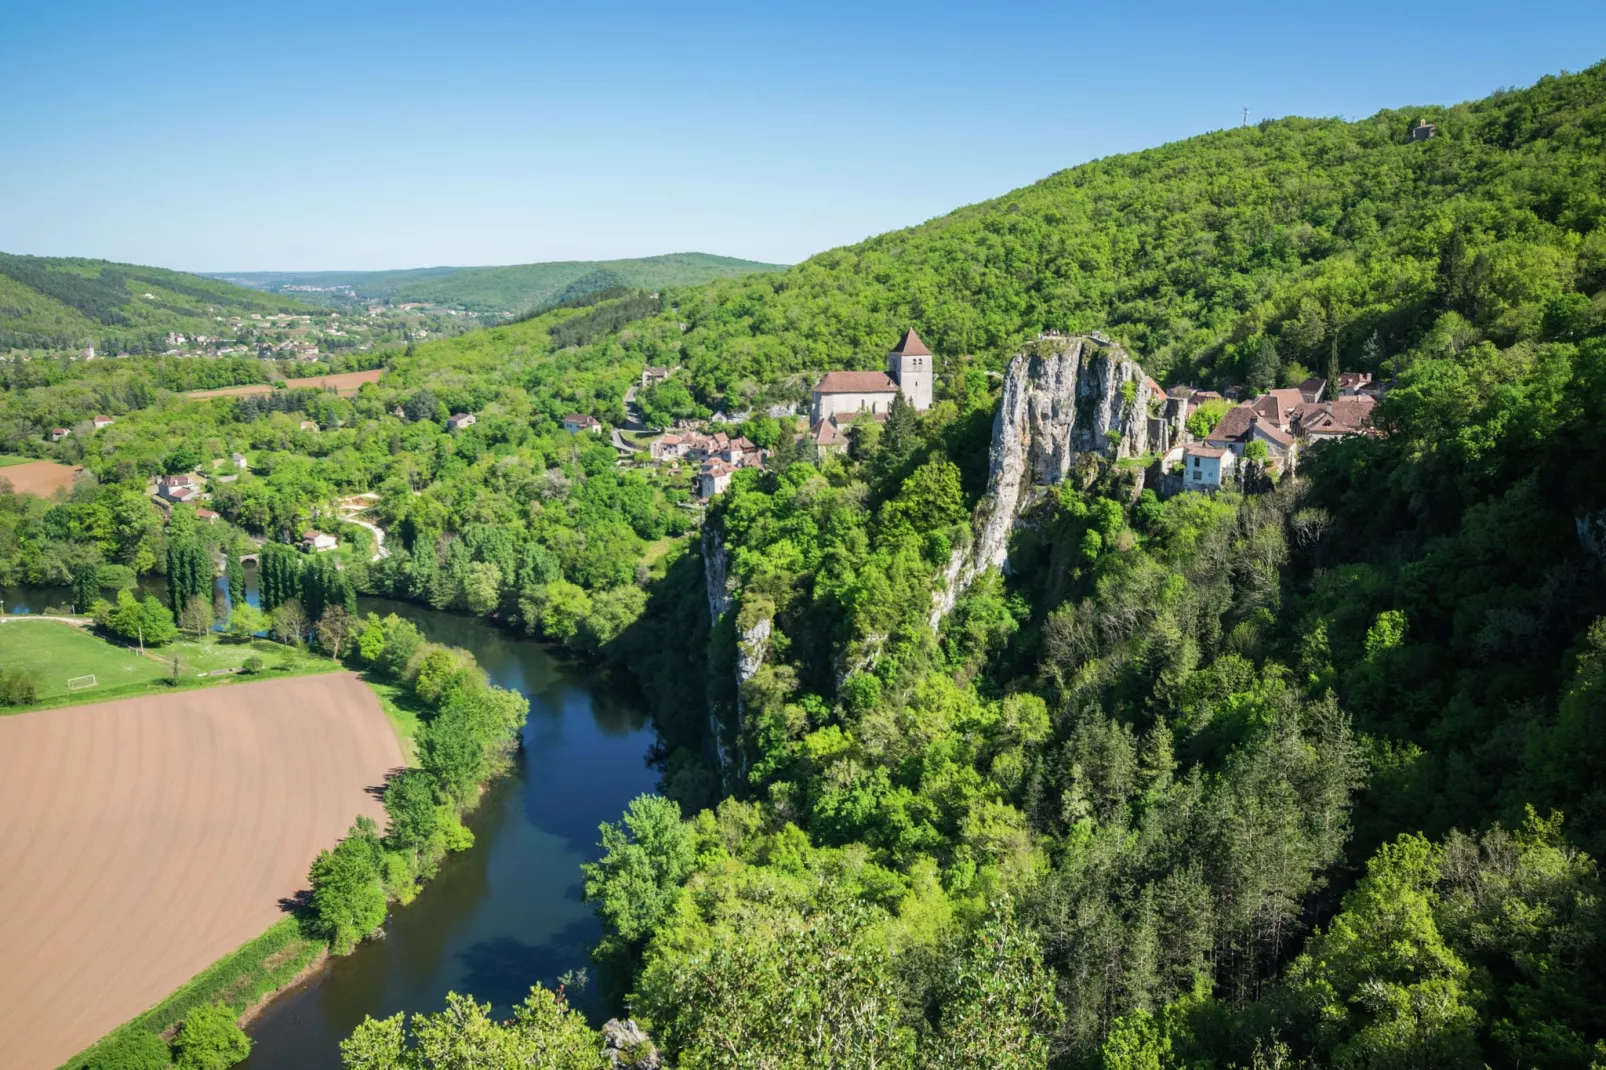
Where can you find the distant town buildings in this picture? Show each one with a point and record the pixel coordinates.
(1283, 420)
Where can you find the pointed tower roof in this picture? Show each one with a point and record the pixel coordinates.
(911, 345)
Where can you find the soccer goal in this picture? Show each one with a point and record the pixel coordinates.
(78, 683)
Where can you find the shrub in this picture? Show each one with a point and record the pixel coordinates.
(133, 1050)
(210, 1039)
(17, 688)
(253, 664)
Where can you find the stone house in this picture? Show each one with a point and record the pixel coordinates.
(459, 420)
(318, 541)
(576, 422)
(1205, 467)
(714, 478)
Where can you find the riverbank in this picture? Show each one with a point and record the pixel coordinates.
(245, 980)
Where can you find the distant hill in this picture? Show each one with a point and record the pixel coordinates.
(517, 288)
(64, 302)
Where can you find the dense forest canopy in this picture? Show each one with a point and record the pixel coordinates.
(1330, 240)
(1306, 773)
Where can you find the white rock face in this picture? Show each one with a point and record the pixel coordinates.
(751, 646)
(1063, 397)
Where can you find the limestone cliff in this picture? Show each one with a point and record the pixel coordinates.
(1064, 399)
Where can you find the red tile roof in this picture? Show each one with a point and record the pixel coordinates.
(857, 383)
(1233, 426)
(1346, 415)
(911, 345)
(826, 434)
(1203, 451)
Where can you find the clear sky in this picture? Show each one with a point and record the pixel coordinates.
(234, 136)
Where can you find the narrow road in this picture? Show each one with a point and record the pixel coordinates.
(633, 418)
(77, 622)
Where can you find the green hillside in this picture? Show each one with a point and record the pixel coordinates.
(516, 288)
(67, 302)
(1284, 241)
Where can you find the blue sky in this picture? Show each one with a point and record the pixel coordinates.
(212, 137)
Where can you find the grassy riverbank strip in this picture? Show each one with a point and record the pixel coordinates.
(242, 980)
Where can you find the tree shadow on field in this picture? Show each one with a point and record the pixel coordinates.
(299, 904)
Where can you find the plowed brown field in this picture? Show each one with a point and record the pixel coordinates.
(43, 478)
(343, 383)
(142, 839)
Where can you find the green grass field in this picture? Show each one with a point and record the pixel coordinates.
(404, 712)
(56, 652)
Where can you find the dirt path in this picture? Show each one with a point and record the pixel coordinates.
(145, 838)
(352, 507)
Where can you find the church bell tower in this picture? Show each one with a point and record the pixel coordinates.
(910, 365)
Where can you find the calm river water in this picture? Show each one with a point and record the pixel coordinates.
(506, 913)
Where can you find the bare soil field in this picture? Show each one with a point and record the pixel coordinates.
(345, 384)
(43, 478)
(142, 839)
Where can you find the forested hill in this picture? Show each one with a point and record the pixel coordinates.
(516, 288)
(65, 302)
(1304, 774)
(1298, 236)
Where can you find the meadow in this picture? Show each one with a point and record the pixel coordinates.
(57, 652)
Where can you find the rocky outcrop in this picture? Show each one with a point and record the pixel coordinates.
(752, 643)
(626, 1044)
(1064, 398)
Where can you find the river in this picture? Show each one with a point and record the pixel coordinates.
(507, 912)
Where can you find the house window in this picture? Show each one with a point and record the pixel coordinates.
(1197, 475)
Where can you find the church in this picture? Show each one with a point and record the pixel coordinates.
(847, 394)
